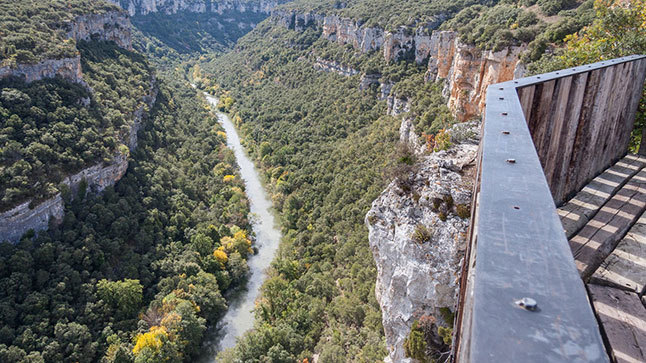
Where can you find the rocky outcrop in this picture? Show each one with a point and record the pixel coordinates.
(113, 25)
(68, 68)
(335, 67)
(144, 7)
(108, 26)
(15, 222)
(396, 105)
(466, 70)
(417, 273)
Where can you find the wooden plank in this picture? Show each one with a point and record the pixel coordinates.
(582, 137)
(623, 318)
(609, 147)
(625, 268)
(526, 97)
(598, 124)
(638, 81)
(600, 236)
(579, 210)
(556, 142)
(575, 102)
(541, 118)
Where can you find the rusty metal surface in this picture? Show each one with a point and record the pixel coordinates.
(524, 300)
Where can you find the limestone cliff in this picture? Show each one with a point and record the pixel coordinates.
(15, 222)
(113, 25)
(68, 68)
(145, 7)
(467, 70)
(334, 67)
(417, 272)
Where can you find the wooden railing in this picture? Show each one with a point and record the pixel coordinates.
(543, 137)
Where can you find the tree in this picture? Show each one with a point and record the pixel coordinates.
(124, 296)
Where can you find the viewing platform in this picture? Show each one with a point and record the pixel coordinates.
(566, 284)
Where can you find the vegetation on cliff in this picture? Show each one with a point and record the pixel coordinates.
(618, 30)
(324, 146)
(52, 128)
(31, 31)
(138, 260)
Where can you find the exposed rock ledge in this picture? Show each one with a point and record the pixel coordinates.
(113, 25)
(334, 67)
(467, 70)
(145, 7)
(68, 68)
(15, 222)
(417, 279)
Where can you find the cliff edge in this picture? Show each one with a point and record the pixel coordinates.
(417, 233)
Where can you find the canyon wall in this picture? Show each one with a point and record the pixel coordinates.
(68, 68)
(145, 7)
(112, 25)
(466, 70)
(15, 222)
(417, 273)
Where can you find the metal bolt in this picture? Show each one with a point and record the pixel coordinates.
(511, 161)
(527, 303)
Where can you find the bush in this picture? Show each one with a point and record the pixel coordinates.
(421, 234)
(552, 7)
(463, 211)
(415, 344)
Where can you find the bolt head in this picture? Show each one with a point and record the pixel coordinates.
(527, 303)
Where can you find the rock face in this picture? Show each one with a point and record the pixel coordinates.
(68, 68)
(335, 67)
(15, 222)
(144, 7)
(467, 71)
(416, 278)
(112, 25)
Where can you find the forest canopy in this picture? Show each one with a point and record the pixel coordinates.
(32, 30)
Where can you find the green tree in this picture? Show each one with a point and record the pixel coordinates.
(124, 296)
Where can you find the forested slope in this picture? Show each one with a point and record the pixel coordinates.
(324, 147)
(137, 272)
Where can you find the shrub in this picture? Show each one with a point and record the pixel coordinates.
(415, 344)
(442, 140)
(421, 234)
(463, 211)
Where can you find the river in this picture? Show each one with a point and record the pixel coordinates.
(239, 318)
